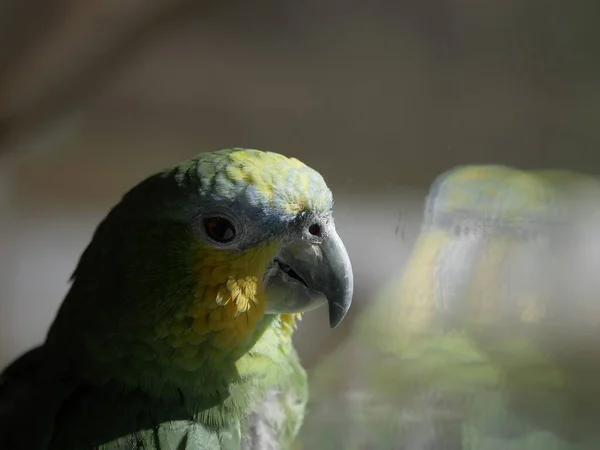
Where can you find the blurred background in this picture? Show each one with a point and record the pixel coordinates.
(379, 96)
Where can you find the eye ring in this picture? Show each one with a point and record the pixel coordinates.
(219, 229)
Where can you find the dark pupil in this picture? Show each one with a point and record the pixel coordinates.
(219, 229)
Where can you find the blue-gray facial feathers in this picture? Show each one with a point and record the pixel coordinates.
(266, 195)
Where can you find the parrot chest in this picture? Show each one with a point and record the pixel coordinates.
(106, 419)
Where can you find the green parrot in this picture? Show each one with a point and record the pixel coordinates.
(485, 340)
(176, 331)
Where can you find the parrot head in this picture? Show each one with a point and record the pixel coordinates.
(197, 261)
(268, 213)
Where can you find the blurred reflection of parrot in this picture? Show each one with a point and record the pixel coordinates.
(490, 338)
(176, 332)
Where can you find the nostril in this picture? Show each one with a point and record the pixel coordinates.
(315, 229)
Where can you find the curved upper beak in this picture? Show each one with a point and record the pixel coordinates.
(325, 268)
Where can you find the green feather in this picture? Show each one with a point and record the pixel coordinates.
(105, 378)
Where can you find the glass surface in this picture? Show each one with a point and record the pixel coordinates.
(475, 321)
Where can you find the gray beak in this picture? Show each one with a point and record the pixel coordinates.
(335, 278)
(325, 268)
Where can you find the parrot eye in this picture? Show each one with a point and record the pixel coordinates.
(219, 229)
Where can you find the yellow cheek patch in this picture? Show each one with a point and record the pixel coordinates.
(230, 298)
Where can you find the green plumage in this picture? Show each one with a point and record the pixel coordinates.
(107, 418)
(167, 338)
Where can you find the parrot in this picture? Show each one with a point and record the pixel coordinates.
(176, 331)
(487, 338)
